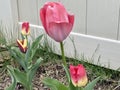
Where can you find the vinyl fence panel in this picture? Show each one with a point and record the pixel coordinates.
(102, 18)
(95, 31)
(27, 10)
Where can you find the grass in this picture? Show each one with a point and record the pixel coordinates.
(2, 37)
(8, 33)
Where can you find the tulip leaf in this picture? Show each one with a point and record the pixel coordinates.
(67, 72)
(33, 69)
(21, 77)
(17, 51)
(72, 87)
(28, 55)
(54, 84)
(36, 42)
(14, 82)
(90, 86)
(19, 57)
(32, 50)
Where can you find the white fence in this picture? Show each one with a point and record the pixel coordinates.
(96, 30)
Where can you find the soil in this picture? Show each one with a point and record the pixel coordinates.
(53, 70)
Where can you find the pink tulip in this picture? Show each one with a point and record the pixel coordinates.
(56, 21)
(78, 75)
(25, 28)
(22, 44)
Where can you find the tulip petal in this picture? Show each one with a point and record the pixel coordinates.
(56, 13)
(22, 44)
(71, 19)
(82, 82)
(59, 31)
(42, 17)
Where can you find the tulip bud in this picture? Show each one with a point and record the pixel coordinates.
(78, 75)
(25, 28)
(22, 44)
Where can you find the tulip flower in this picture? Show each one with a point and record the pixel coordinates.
(22, 44)
(56, 21)
(25, 28)
(78, 75)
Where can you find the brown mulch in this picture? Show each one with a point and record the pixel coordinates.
(48, 70)
(53, 70)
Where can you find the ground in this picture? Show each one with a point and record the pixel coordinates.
(55, 70)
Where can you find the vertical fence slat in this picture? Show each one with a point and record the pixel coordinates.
(78, 8)
(27, 11)
(119, 23)
(14, 10)
(103, 18)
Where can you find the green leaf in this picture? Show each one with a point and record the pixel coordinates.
(19, 57)
(28, 55)
(36, 42)
(17, 51)
(11, 72)
(32, 50)
(72, 87)
(33, 69)
(90, 86)
(67, 72)
(21, 77)
(54, 84)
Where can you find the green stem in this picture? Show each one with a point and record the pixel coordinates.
(29, 87)
(80, 88)
(63, 55)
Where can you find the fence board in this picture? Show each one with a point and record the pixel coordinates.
(119, 23)
(78, 8)
(14, 10)
(102, 18)
(28, 11)
(5, 9)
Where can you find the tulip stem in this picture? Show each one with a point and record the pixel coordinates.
(63, 55)
(80, 88)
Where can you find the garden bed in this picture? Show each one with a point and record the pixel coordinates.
(53, 68)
